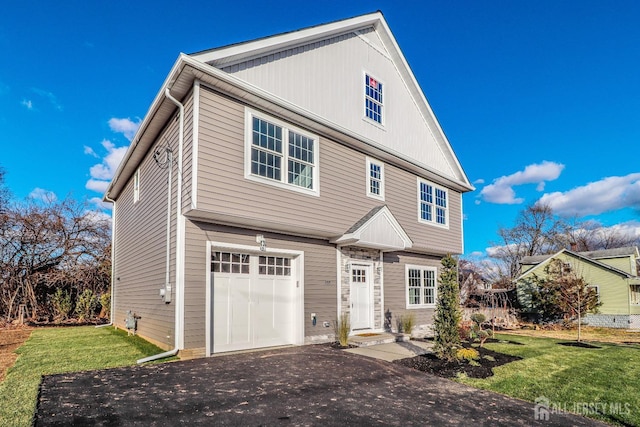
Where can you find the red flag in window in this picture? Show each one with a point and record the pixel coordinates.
(373, 82)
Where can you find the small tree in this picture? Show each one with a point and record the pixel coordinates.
(563, 294)
(448, 316)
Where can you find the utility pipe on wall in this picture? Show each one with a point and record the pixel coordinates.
(179, 251)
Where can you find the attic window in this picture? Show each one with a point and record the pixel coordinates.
(373, 99)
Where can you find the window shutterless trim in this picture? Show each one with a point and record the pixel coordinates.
(136, 186)
(375, 99)
(422, 269)
(290, 163)
(373, 182)
(434, 205)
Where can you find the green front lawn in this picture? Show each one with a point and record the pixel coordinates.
(601, 383)
(58, 350)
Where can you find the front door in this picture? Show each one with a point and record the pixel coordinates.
(360, 296)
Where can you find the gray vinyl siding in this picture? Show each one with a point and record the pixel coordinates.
(140, 248)
(187, 164)
(395, 285)
(319, 275)
(223, 189)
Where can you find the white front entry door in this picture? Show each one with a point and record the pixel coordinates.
(253, 301)
(361, 313)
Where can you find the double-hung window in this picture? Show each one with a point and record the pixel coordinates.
(421, 286)
(373, 99)
(375, 179)
(635, 294)
(432, 204)
(280, 154)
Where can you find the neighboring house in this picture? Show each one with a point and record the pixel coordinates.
(277, 183)
(613, 273)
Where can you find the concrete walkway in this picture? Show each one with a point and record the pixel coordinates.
(394, 351)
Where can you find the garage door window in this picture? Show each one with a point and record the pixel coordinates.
(230, 262)
(274, 266)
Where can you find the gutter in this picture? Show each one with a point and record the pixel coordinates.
(179, 287)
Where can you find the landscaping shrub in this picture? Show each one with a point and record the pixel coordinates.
(342, 329)
(61, 303)
(447, 317)
(86, 305)
(105, 305)
(467, 354)
(407, 322)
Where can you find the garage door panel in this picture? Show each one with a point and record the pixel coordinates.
(255, 308)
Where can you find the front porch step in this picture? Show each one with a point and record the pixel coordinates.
(368, 339)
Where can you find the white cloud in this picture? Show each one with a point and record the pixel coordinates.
(43, 195)
(102, 173)
(607, 195)
(479, 181)
(53, 100)
(99, 203)
(27, 103)
(97, 185)
(501, 190)
(125, 126)
(97, 216)
(88, 150)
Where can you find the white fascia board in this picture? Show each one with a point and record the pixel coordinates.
(239, 52)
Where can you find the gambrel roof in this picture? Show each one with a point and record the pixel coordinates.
(253, 71)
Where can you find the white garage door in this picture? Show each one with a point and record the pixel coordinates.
(253, 300)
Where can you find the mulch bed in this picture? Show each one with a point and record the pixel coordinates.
(431, 364)
(578, 344)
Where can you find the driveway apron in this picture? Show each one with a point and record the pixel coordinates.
(308, 385)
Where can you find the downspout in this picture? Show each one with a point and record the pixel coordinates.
(113, 262)
(178, 285)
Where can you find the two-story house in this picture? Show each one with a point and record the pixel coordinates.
(614, 274)
(277, 183)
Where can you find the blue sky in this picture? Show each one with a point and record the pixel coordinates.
(540, 100)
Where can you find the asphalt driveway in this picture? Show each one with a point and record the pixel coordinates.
(309, 385)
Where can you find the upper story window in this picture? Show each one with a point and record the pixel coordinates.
(421, 286)
(280, 154)
(375, 179)
(136, 186)
(373, 99)
(432, 204)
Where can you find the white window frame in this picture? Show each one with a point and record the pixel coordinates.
(636, 300)
(284, 169)
(434, 206)
(422, 269)
(136, 186)
(383, 104)
(369, 178)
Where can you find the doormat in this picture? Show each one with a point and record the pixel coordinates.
(369, 334)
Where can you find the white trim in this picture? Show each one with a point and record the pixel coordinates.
(286, 127)
(369, 161)
(297, 277)
(370, 281)
(354, 238)
(382, 318)
(435, 206)
(194, 146)
(208, 332)
(422, 268)
(382, 52)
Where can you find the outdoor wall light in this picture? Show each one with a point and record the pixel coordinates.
(263, 243)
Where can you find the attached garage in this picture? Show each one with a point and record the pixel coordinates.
(256, 299)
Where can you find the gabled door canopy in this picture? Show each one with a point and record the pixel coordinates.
(378, 229)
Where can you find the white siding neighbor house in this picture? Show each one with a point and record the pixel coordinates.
(278, 183)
